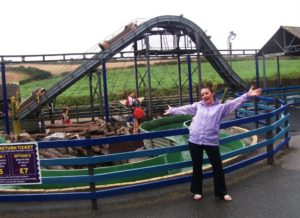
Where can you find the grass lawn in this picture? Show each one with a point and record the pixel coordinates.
(165, 77)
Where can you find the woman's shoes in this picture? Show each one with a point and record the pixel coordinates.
(197, 197)
(227, 197)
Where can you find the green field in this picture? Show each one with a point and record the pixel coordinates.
(164, 79)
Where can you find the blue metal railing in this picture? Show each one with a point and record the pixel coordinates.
(278, 116)
(290, 94)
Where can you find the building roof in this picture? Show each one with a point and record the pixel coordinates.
(285, 41)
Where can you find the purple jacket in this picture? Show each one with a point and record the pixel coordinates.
(205, 125)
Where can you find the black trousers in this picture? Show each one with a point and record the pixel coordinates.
(214, 157)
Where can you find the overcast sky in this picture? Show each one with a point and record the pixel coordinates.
(63, 26)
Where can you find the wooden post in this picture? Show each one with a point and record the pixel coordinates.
(77, 114)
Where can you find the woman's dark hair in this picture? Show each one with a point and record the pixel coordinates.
(207, 87)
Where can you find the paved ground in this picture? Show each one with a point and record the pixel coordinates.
(259, 191)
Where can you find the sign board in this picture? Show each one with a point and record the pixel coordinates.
(19, 164)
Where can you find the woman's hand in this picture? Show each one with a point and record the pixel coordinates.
(168, 111)
(254, 92)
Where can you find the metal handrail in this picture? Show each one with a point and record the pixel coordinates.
(281, 138)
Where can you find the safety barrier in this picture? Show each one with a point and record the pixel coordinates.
(267, 117)
(291, 94)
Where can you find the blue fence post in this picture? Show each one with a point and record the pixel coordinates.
(188, 60)
(256, 110)
(105, 91)
(5, 102)
(269, 136)
(286, 123)
(277, 105)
